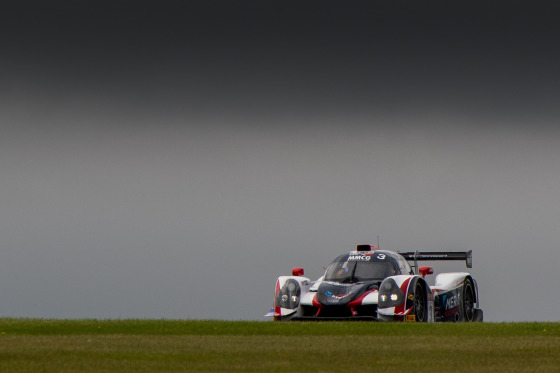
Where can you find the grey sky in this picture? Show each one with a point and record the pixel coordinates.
(176, 178)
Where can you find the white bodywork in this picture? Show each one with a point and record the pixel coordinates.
(443, 300)
(443, 282)
(449, 281)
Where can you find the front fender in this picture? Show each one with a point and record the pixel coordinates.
(287, 297)
(396, 298)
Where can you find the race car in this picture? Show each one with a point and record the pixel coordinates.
(380, 285)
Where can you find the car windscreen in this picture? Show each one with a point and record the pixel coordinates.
(350, 271)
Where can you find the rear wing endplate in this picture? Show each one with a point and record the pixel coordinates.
(438, 256)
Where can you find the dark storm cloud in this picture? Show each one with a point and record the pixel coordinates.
(169, 159)
(254, 59)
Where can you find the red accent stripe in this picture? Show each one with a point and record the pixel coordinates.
(399, 309)
(276, 307)
(405, 312)
(358, 301)
(315, 302)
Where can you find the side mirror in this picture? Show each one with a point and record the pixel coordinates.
(297, 272)
(426, 270)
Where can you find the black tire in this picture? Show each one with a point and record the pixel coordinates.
(468, 301)
(420, 305)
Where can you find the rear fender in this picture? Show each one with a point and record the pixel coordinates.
(449, 281)
(448, 292)
(476, 299)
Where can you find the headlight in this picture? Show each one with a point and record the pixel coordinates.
(390, 294)
(288, 296)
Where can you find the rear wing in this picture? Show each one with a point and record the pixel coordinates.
(438, 256)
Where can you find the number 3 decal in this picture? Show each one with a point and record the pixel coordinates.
(381, 256)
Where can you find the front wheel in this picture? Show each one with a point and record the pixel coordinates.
(468, 301)
(420, 307)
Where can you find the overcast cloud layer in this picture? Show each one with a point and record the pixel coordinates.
(159, 160)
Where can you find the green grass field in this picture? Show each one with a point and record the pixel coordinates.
(38, 345)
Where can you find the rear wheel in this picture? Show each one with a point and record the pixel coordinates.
(468, 300)
(420, 309)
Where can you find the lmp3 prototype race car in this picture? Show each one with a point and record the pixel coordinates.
(380, 285)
